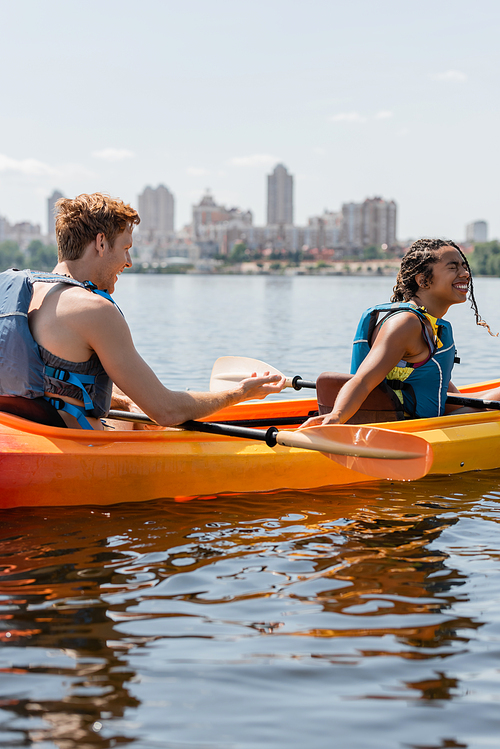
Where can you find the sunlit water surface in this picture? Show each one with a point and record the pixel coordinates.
(363, 617)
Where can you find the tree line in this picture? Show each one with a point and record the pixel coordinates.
(485, 260)
(38, 256)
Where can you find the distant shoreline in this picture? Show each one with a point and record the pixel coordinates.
(349, 269)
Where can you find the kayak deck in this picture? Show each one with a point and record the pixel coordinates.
(41, 465)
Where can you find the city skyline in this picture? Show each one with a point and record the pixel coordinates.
(159, 204)
(354, 225)
(356, 98)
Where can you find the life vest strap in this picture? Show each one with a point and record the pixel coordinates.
(77, 411)
(77, 380)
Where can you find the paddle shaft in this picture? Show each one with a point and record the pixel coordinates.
(297, 383)
(226, 430)
(456, 400)
(140, 418)
(460, 400)
(272, 437)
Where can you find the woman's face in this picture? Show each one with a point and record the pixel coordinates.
(450, 276)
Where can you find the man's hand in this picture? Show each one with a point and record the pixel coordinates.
(261, 386)
(121, 402)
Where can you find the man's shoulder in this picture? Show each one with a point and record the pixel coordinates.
(77, 299)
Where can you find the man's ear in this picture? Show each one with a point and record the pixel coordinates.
(99, 244)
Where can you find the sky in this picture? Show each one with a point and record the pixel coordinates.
(357, 98)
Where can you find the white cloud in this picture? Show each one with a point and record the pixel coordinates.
(256, 159)
(196, 171)
(450, 75)
(384, 114)
(319, 151)
(29, 167)
(34, 170)
(348, 117)
(113, 154)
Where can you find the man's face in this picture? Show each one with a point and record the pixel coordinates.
(115, 260)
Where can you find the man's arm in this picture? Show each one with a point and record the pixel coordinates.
(109, 336)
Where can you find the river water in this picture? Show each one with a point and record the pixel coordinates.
(360, 618)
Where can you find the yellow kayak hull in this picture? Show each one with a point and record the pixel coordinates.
(42, 466)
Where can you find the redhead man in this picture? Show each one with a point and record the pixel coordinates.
(66, 343)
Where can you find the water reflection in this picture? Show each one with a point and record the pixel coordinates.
(114, 621)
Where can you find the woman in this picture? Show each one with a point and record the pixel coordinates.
(407, 343)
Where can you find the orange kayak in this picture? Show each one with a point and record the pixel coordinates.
(41, 465)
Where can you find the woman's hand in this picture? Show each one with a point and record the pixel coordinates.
(321, 421)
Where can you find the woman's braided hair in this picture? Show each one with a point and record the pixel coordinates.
(419, 259)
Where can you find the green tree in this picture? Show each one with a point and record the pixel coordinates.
(238, 253)
(485, 260)
(372, 253)
(10, 255)
(41, 256)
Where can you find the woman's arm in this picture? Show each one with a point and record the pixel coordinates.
(399, 338)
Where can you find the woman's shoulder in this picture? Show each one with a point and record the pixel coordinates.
(405, 320)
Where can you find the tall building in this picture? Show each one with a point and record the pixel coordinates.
(207, 212)
(216, 228)
(325, 232)
(156, 209)
(379, 222)
(352, 221)
(477, 231)
(51, 214)
(279, 197)
(371, 223)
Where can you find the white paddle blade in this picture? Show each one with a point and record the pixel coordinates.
(380, 453)
(228, 370)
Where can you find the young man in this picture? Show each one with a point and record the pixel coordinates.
(83, 339)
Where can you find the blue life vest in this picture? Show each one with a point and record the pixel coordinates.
(422, 388)
(23, 372)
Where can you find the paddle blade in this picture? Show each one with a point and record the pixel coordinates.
(228, 370)
(380, 453)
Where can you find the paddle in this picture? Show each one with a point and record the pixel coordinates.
(230, 369)
(376, 452)
(460, 400)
